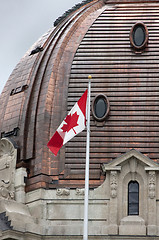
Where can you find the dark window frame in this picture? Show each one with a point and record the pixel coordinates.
(132, 194)
(107, 110)
(133, 29)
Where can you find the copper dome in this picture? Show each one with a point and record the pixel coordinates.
(94, 39)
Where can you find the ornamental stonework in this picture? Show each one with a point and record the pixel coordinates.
(152, 184)
(7, 169)
(62, 192)
(113, 184)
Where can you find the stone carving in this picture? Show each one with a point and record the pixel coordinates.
(7, 169)
(80, 192)
(113, 183)
(152, 185)
(62, 192)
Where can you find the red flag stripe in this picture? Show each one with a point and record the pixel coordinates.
(55, 143)
(82, 102)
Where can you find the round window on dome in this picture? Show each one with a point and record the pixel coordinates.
(100, 107)
(139, 36)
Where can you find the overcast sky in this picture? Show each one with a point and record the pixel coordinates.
(22, 22)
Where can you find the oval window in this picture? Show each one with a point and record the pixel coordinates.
(100, 107)
(139, 36)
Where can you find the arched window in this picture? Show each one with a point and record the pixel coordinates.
(133, 198)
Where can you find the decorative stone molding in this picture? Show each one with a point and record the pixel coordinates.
(80, 192)
(132, 224)
(152, 184)
(113, 183)
(62, 192)
(133, 164)
(7, 169)
(133, 167)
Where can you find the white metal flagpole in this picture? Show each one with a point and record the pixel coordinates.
(85, 232)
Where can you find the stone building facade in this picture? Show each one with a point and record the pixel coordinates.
(41, 195)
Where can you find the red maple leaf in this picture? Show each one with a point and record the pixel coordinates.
(71, 122)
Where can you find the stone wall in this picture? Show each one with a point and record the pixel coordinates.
(59, 212)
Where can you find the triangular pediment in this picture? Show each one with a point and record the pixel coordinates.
(117, 163)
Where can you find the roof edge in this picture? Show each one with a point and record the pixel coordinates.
(129, 1)
(71, 10)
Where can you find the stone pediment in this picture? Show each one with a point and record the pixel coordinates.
(117, 163)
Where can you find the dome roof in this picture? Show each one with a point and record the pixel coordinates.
(93, 39)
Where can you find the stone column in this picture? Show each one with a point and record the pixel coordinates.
(151, 228)
(113, 227)
(20, 174)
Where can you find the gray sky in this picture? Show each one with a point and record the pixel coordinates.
(22, 22)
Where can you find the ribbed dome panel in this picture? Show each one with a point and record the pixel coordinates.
(128, 79)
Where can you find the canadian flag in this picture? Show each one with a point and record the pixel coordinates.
(73, 124)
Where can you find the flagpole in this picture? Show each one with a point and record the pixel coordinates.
(85, 231)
